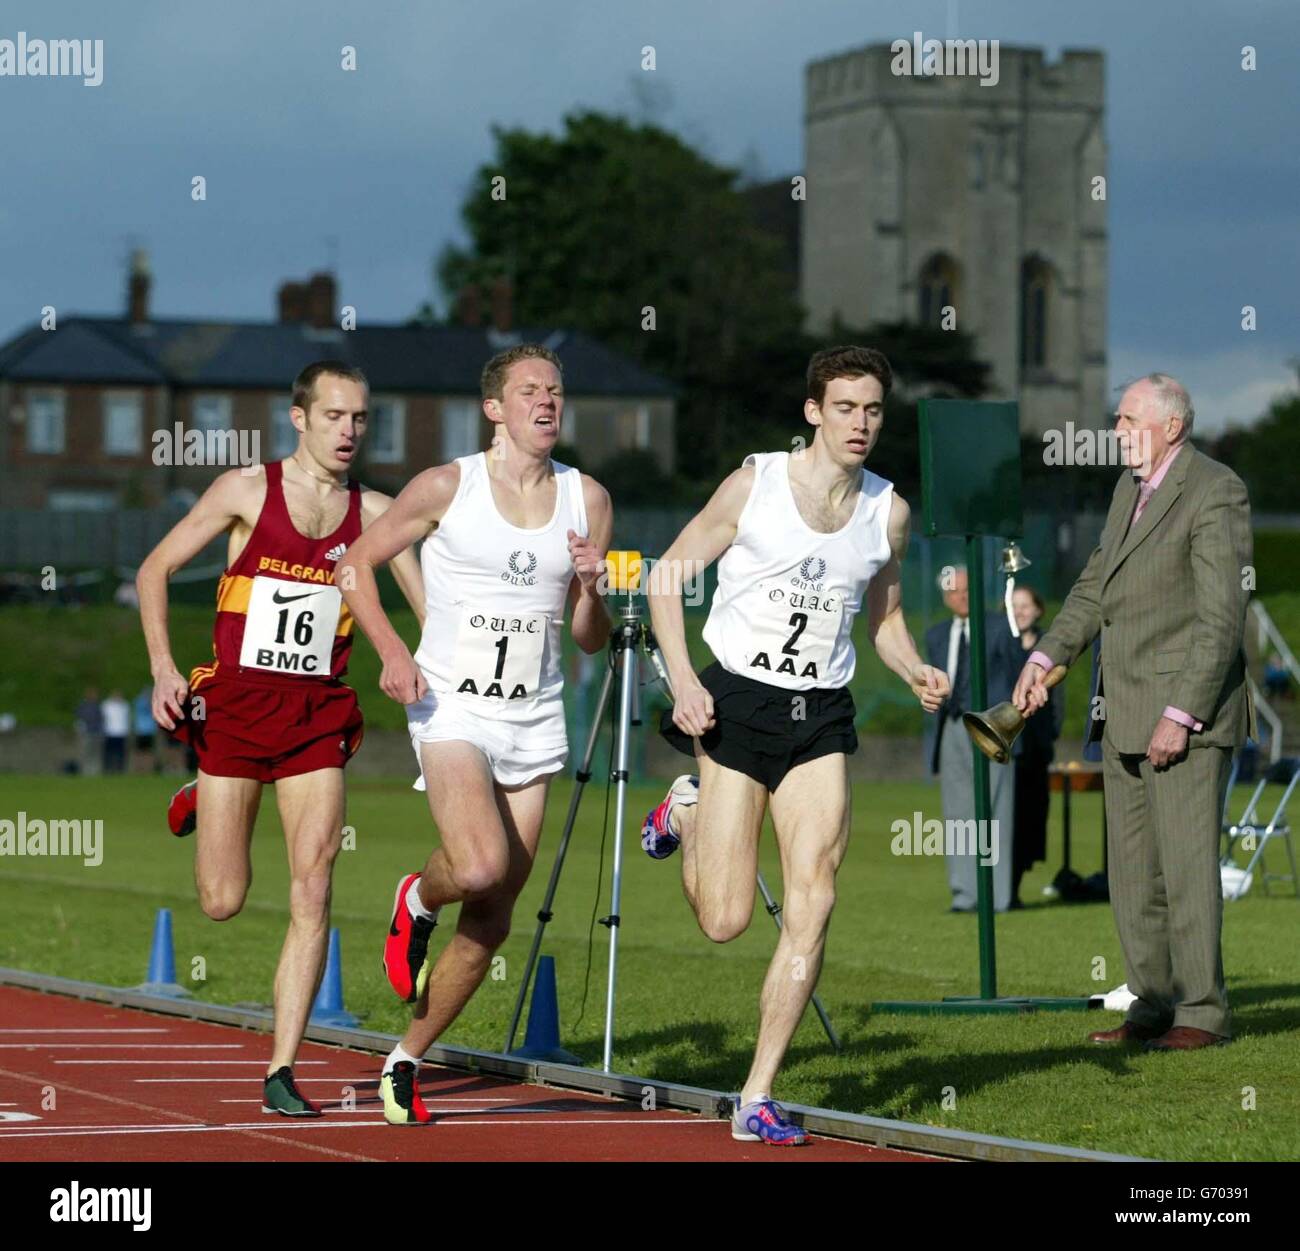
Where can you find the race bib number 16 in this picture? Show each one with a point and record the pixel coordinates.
(499, 656)
(290, 627)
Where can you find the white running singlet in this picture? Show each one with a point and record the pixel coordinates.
(787, 595)
(495, 598)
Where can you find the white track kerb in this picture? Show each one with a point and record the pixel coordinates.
(899, 1135)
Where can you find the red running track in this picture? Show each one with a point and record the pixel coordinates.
(128, 1085)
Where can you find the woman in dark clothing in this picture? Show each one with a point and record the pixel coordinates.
(1039, 738)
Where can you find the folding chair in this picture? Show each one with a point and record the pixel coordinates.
(1286, 773)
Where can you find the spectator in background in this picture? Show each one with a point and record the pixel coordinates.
(89, 723)
(1277, 679)
(116, 714)
(146, 730)
(948, 748)
(1039, 748)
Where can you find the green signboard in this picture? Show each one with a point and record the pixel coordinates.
(970, 468)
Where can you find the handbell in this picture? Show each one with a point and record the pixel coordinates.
(1013, 559)
(997, 729)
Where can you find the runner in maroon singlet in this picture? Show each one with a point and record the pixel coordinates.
(271, 706)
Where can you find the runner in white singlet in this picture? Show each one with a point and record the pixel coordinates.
(807, 543)
(510, 540)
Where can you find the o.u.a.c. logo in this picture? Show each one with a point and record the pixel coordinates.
(522, 565)
(810, 575)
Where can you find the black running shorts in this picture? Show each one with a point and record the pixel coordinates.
(760, 731)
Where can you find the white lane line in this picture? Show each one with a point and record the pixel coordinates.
(460, 1105)
(283, 1124)
(155, 1063)
(83, 1030)
(371, 1082)
(76, 1046)
(212, 1081)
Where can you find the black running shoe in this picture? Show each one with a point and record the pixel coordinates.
(279, 1094)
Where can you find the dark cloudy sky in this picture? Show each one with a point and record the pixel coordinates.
(305, 162)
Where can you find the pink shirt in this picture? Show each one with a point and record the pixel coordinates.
(1144, 497)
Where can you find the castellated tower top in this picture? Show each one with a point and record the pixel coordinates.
(889, 73)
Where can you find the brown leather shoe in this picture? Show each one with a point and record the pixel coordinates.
(1185, 1038)
(1126, 1033)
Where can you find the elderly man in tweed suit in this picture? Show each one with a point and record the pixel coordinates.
(1165, 590)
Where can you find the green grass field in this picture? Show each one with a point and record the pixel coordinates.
(687, 1008)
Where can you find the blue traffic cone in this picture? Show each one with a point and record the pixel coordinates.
(542, 1039)
(161, 978)
(328, 1008)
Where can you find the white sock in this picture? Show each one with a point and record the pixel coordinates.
(415, 906)
(396, 1056)
(682, 802)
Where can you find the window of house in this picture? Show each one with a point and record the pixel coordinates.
(386, 437)
(123, 418)
(460, 428)
(80, 501)
(284, 437)
(45, 411)
(212, 412)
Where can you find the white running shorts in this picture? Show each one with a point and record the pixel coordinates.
(516, 752)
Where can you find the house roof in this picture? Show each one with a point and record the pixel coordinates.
(437, 359)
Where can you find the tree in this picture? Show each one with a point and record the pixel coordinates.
(611, 223)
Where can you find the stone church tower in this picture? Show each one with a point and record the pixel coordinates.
(926, 192)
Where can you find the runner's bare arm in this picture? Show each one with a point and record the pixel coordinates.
(706, 536)
(887, 625)
(421, 505)
(233, 497)
(589, 618)
(405, 566)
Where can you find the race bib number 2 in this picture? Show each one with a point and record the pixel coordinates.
(290, 627)
(499, 656)
(794, 634)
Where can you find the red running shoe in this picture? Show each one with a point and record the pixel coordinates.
(407, 944)
(183, 811)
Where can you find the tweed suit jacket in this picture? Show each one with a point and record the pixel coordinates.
(1168, 598)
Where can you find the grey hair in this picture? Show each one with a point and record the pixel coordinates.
(1173, 400)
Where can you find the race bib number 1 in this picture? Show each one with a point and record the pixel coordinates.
(499, 656)
(290, 627)
(794, 634)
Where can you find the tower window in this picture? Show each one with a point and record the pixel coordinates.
(1035, 282)
(938, 288)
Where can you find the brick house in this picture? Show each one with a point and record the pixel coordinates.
(81, 405)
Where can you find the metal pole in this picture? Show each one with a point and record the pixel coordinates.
(630, 634)
(582, 776)
(979, 699)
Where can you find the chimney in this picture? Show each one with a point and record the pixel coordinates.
(503, 299)
(292, 299)
(469, 306)
(320, 300)
(137, 302)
